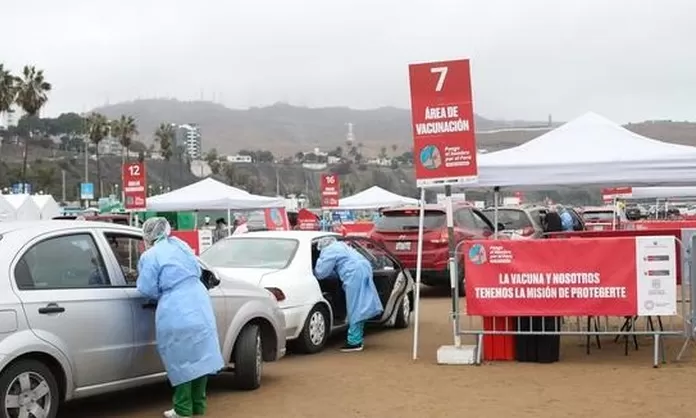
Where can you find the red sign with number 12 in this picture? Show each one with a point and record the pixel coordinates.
(442, 114)
(135, 186)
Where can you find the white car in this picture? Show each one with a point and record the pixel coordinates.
(283, 262)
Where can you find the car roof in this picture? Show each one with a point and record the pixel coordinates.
(298, 235)
(55, 225)
(428, 206)
(598, 209)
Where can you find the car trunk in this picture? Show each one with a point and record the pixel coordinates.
(398, 230)
(516, 222)
(248, 275)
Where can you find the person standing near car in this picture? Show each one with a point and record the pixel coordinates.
(355, 273)
(566, 218)
(186, 331)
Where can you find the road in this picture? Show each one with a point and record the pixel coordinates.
(382, 381)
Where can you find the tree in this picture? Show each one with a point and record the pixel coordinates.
(97, 129)
(394, 147)
(164, 136)
(32, 94)
(383, 153)
(124, 128)
(8, 90)
(299, 156)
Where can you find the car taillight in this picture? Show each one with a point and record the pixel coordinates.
(442, 239)
(527, 231)
(277, 293)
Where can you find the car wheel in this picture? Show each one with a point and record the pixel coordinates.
(315, 332)
(248, 358)
(29, 389)
(403, 316)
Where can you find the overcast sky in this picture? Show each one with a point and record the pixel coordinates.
(629, 60)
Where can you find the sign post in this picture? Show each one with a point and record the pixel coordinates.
(444, 147)
(134, 186)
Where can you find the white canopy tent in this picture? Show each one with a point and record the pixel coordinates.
(662, 192)
(18, 207)
(48, 207)
(374, 198)
(210, 194)
(588, 150)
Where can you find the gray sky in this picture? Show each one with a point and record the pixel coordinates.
(629, 60)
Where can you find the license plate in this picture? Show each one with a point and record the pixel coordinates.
(403, 246)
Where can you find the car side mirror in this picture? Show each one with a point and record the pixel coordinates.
(501, 227)
(209, 279)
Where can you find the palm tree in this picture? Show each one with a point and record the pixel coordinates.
(32, 94)
(124, 128)
(164, 136)
(8, 90)
(97, 129)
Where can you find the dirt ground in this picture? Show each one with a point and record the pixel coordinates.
(382, 381)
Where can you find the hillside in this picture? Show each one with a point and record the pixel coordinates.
(281, 128)
(286, 129)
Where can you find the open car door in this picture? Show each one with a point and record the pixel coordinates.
(391, 279)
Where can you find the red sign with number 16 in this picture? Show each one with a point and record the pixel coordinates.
(330, 190)
(135, 186)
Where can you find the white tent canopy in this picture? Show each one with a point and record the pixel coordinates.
(48, 207)
(662, 192)
(210, 194)
(374, 198)
(589, 150)
(18, 207)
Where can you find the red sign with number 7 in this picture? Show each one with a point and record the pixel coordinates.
(442, 114)
(134, 186)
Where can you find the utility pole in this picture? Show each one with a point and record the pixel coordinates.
(63, 199)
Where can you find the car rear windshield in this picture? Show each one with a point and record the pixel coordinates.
(266, 253)
(510, 218)
(406, 220)
(598, 216)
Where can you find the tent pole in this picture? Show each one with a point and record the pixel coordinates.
(454, 279)
(229, 220)
(613, 215)
(496, 197)
(419, 266)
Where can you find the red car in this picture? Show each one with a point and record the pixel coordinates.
(397, 230)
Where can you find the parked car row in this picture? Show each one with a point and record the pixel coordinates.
(73, 325)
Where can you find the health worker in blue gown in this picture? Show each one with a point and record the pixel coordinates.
(187, 338)
(355, 273)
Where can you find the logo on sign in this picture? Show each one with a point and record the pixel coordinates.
(430, 157)
(477, 254)
(330, 179)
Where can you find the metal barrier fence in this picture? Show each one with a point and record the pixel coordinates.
(593, 327)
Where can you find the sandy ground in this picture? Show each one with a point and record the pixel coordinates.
(382, 381)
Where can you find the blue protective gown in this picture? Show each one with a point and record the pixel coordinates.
(187, 338)
(566, 221)
(355, 273)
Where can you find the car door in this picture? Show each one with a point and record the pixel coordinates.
(390, 278)
(74, 301)
(126, 249)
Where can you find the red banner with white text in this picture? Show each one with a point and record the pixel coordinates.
(572, 277)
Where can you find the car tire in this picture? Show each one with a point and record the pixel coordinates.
(248, 358)
(403, 315)
(315, 332)
(43, 387)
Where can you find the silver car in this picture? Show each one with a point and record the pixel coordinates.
(520, 222)
(72, 323)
